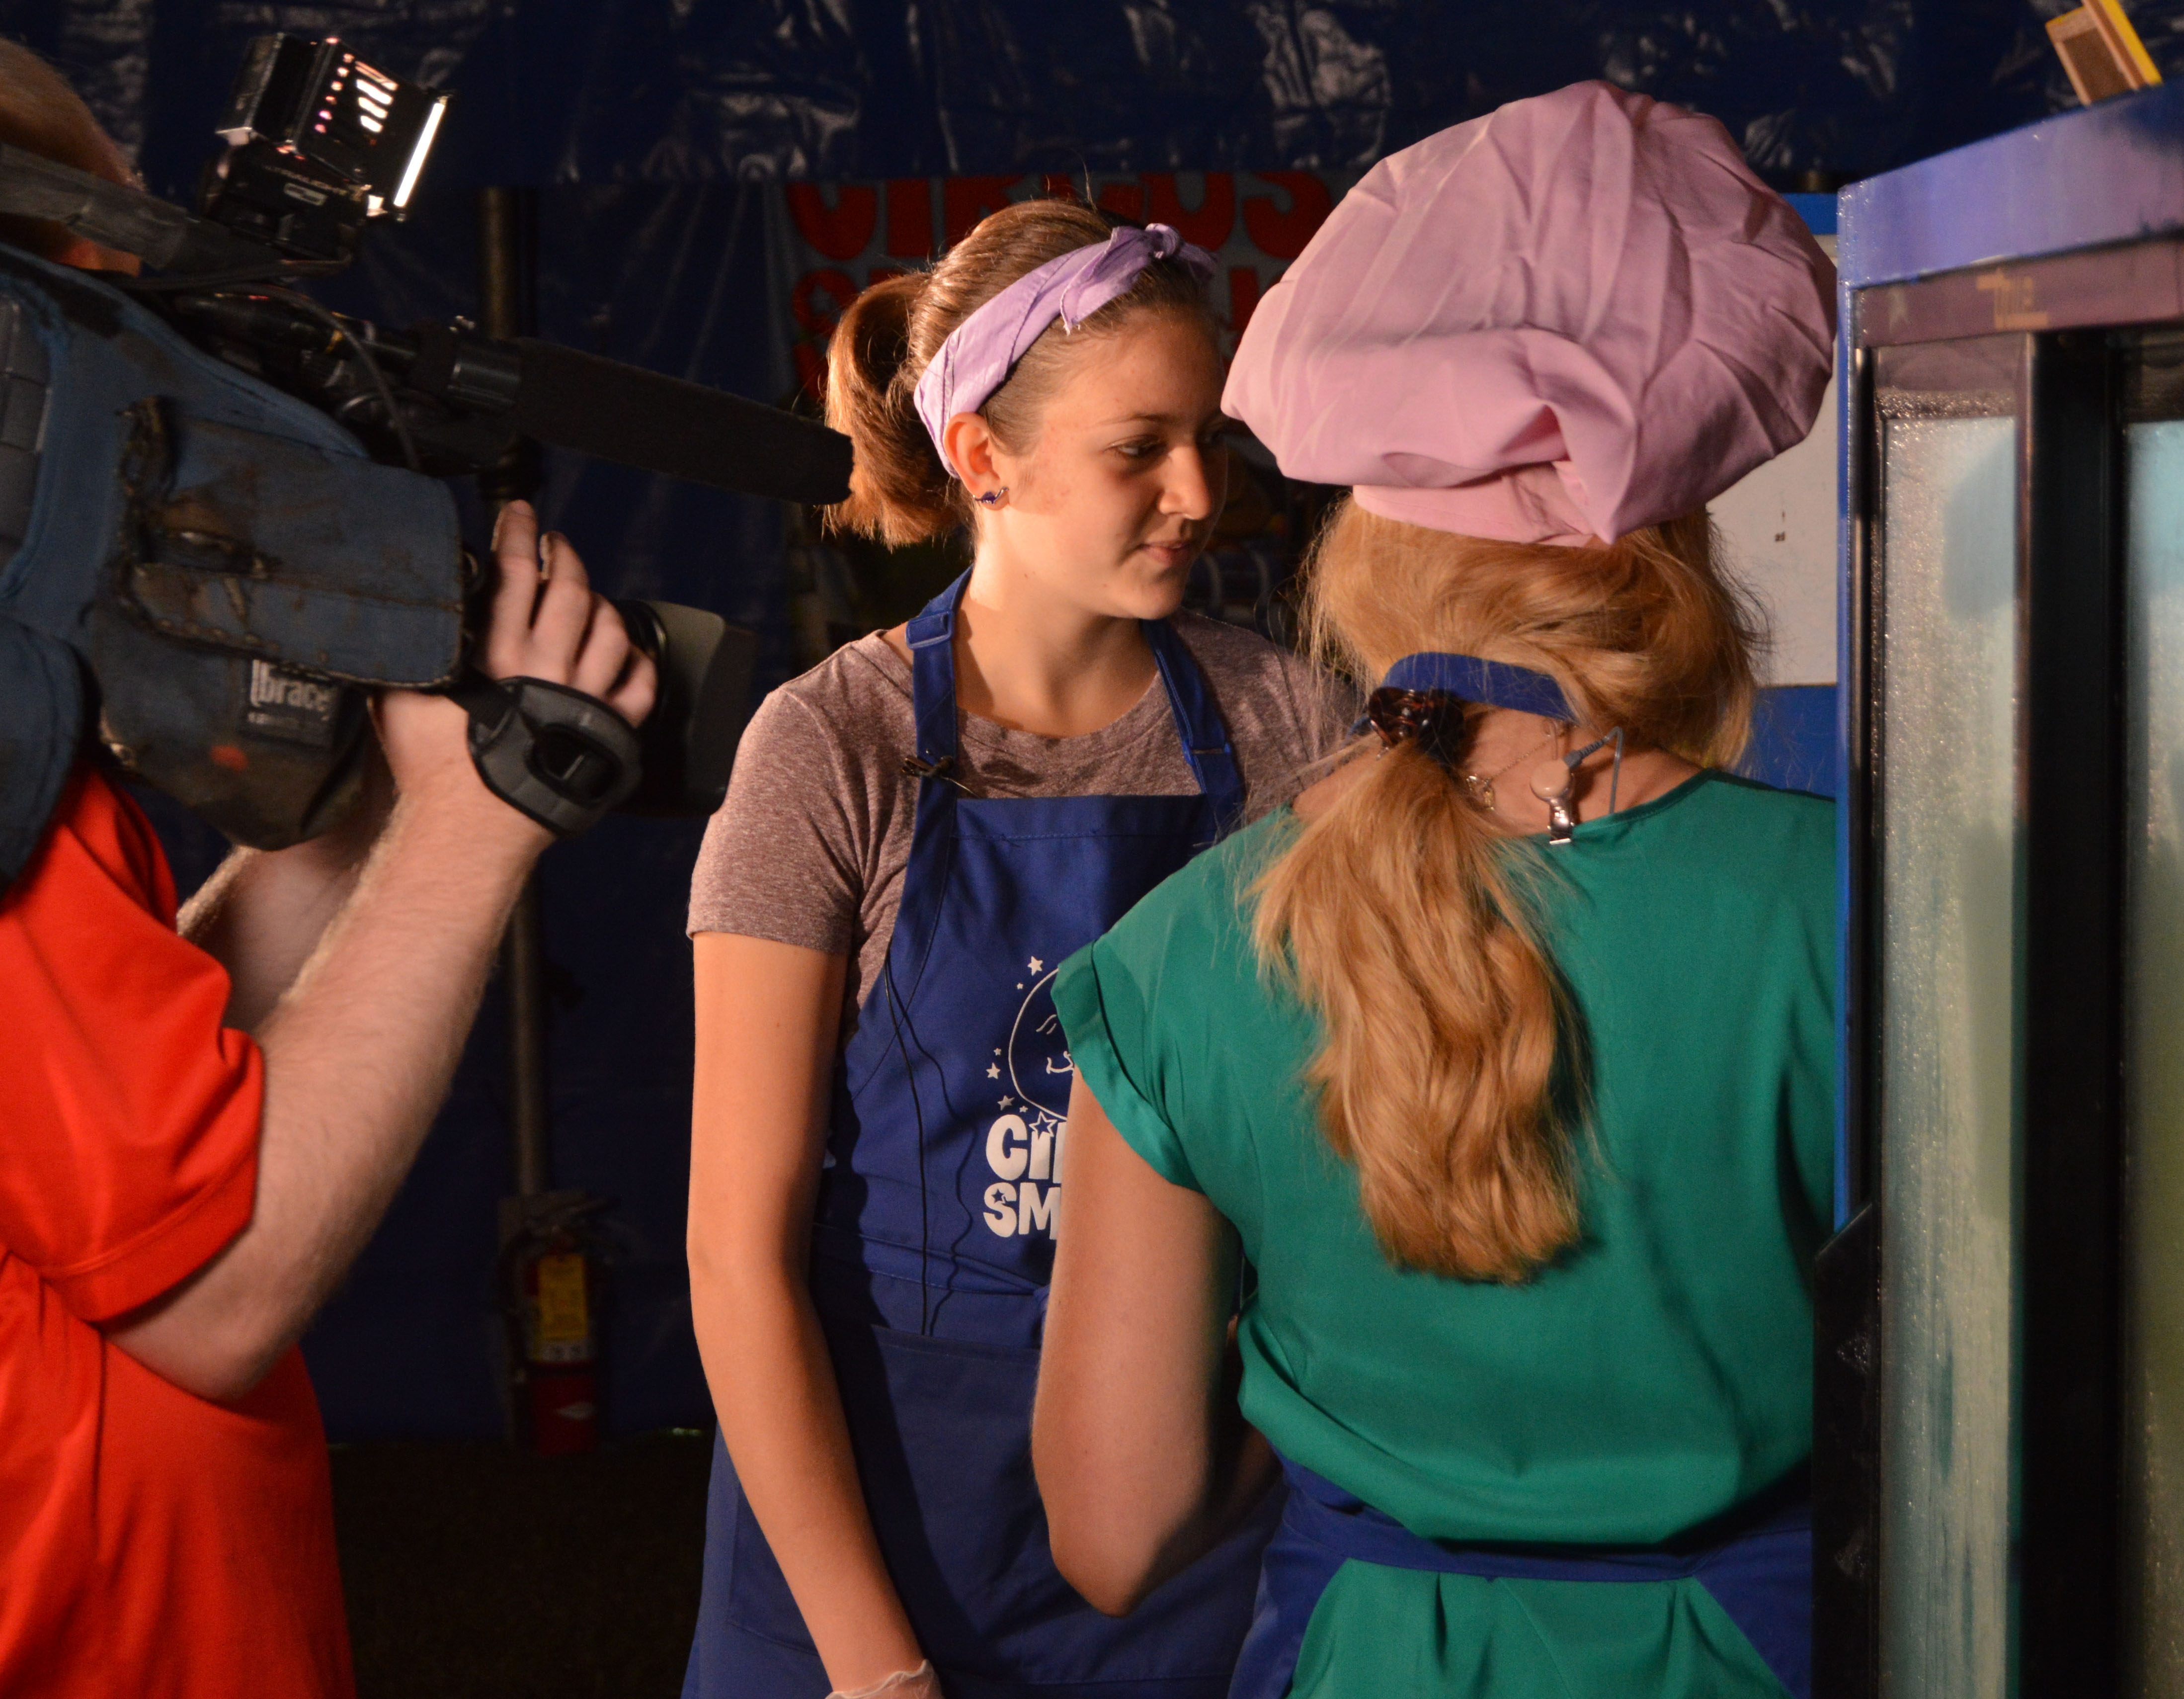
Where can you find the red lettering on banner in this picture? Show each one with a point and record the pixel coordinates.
(910, 218)
(1242, 296)
(1209, 223)
(1058, 186)
(1124, 200)
(840, 231)
(965, 200)
(1279, 234)
(814, 310)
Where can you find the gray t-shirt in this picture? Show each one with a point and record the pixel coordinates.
(810, 845)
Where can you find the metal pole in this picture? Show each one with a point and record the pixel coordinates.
(505, 309)
(523, 968)
(503, 242)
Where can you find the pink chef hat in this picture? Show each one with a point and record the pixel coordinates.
(1578, 315)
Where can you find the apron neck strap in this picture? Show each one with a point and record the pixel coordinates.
(931, 640)
(1206, 746)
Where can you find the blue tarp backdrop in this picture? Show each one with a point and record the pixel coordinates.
(654, 131)
(686, 90)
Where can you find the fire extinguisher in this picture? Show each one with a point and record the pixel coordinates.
(554, 1271)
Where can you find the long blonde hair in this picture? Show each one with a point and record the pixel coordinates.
(1409, 928)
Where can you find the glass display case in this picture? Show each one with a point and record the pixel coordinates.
(1999, 1465)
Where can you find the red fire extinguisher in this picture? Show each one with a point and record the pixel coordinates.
(554, 1275)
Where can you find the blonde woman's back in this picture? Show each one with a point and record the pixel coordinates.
(1655, 1375)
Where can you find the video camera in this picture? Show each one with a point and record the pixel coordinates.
(224, 498)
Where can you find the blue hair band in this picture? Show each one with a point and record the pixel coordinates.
(1495, 683)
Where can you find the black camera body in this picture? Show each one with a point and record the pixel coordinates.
(189, 501)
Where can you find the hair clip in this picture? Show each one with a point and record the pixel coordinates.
(1400, 716)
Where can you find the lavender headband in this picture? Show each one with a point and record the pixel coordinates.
(982, 351)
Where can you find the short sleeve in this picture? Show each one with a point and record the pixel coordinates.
(1108, 1020)
(131, 1116)
(780, 858)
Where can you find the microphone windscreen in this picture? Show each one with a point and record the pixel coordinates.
(639, 418)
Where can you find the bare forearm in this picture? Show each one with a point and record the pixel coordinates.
(781, 1417)
(1125, 1516)
(1235, 1471)
(261, 915)
(358, 1057)
(360, 1053)
(358, 1050)
(766, 1016)
(1142, 1459)
(263, 912)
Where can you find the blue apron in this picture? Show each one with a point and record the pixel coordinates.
(935, 1241)
(1756, 1562)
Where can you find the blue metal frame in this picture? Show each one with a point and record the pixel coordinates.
(2112, 173)
(2105, 174)
(1845, 446)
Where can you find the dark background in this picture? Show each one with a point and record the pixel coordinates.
(652, 130)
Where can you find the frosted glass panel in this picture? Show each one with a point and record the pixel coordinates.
(2154, 1003)
(1948, 897)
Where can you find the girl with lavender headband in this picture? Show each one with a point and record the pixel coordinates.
(917, 832)
(979, 353)
(1504, 1057)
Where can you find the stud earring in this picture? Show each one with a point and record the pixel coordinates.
(991, 497)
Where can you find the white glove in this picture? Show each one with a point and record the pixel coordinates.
(920, 1683)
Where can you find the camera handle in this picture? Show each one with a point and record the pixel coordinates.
(553, 754)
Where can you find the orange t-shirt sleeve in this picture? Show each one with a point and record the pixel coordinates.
(131, 1117)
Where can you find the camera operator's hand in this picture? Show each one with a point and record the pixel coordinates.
(360, 1048)
(546, 623)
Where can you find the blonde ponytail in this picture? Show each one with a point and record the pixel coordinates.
(1407, 924)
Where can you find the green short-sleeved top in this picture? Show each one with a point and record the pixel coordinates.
(1660, 1373)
